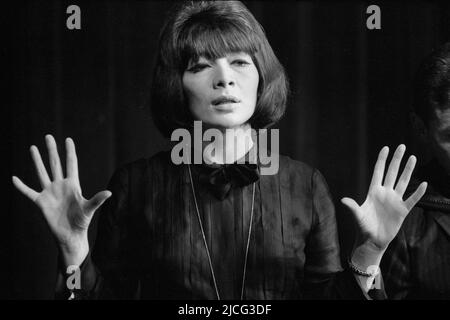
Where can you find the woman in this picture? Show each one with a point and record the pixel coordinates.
(223, 230)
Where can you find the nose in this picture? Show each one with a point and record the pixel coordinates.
(223, 76)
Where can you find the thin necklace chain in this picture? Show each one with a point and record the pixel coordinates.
(206, 245)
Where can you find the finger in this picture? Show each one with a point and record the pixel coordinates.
(403, 181)
(392, 172)
(352, 205)
(416, 196)
(71, 159)
(44, 179)
(55, 163)
(378, 171)
(22, 187)
(96, 201)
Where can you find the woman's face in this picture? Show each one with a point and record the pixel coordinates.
(222, 93)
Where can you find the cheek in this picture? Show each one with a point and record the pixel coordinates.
(251, 86)
(255, 85)
(255, 82)
(193, 92)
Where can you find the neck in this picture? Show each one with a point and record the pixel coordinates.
(234, 144)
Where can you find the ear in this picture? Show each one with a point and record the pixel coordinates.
(418, 126)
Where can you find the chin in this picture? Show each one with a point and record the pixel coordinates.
(226, 122)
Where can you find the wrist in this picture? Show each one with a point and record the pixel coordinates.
(75, 254)
(366, 256)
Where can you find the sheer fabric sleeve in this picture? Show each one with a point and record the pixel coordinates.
(324, 276)
(395, 268)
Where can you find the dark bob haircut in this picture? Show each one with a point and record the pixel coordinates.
(432, 84)
(211, 29)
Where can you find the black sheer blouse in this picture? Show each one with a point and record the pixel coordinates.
(147, 242)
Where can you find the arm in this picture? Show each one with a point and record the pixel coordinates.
(381, 215)
(395, 268)
(324, 276)
(106, 272)
(378, 219)
(65, 209)
(114, 251)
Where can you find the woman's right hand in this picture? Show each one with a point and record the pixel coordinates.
(67, 212)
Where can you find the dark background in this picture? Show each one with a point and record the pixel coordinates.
(350, 96)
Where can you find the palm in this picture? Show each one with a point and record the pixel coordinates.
(66, 211)
(381, 215)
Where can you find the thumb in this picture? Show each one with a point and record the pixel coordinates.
(352, 205)
(96, 201)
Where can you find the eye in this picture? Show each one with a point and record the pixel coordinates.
(198, 67)
(240, 62)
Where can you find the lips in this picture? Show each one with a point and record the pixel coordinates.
(225, 100)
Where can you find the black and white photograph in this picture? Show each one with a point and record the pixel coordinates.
(236, 151)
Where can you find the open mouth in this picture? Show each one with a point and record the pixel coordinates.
(225, 100)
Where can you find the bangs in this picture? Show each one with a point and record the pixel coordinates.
(215, 40)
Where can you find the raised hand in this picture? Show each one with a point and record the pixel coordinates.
(381, 215)
(66, 211)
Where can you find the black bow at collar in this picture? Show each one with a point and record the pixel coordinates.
(221, 178)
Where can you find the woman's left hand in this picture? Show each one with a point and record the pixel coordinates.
(381, 215)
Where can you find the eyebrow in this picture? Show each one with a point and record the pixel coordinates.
(232, 54)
